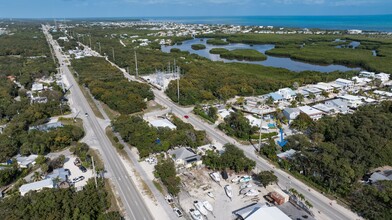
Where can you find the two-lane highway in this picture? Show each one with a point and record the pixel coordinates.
(133, 203)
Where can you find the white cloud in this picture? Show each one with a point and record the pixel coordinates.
(353, 2)
(305, 2)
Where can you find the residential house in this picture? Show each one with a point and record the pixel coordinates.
(36, 186)
(37, 87)
(313, 90)
(324, 87)
(60, 174)
(287, 94)
(287, 154)
(313, 113)
(351, 100)
(26, 162)
(223, 113)
(291, 113)
(382, 76)
(275, 96)
(253, 121)
(361, 81)
(324, 108)
(347, 84)
(184, 157)
(367, 74)
(381, 175)
(338, 105)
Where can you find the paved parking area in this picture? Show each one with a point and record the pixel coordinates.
(76, 172)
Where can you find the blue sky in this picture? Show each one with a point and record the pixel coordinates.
(156, 8)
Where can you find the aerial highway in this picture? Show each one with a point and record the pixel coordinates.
(132, 201)
(323, 207)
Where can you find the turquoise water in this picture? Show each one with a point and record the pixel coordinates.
(272, 61)
(368, 22)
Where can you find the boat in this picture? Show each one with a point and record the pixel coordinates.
(210, 194)
(199, 206)
(215, 176)
(246, 185)
(245, 179)
(229, 191)
(196, 215)
(236, 179)
(208, 206)
(252, 192)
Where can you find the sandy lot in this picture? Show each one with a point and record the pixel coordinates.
(76, 172)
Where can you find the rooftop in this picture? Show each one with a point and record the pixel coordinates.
(163, 123)
(182, 153)
(259, 211)
(309, 110)
(46, 183)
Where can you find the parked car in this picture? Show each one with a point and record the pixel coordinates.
(186, 116)
(78, 179)
(178, 212)
(83, 169)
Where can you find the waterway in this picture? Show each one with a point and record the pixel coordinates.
(272, 61)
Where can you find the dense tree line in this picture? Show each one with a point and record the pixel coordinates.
(338, 151)
(232, 158)
(147, 139)
(166, 171)
(239, 54)
(108, 84)
(89, 203)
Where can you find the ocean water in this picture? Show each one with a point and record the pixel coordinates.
(366, 22)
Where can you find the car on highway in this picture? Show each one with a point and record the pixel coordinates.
(83, 169)
(186, 116)
(178, 212)
(86, 114)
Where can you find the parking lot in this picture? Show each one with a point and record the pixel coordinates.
(75, 172)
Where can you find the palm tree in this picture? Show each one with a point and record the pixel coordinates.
(308, 204)
(37, 176)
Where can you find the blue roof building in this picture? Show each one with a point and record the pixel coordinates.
(275, 96)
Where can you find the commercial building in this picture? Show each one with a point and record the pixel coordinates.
(382, 76)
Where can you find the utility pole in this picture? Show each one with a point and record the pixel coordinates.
(99, 44)
(90, 40)
(113, 54)
(136, 69)
(94, 172)
(261, 124)
(178, 90)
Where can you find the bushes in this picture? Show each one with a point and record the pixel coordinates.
(238, 126)
(166, 171)
(217, 41)
(108, 84)
(239, 54)
(198, 46)
(233, 158)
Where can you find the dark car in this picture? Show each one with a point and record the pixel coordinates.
(83, 169)
(186, 116)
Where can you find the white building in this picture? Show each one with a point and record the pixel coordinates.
(338, 105)
(25, 162)
(253, 121)
(324, 108)
(382, 76)
(291, 113)
(260, 211)
(37, 87)
(287, 94)
(161, 123)
(313, 113)
(347, 84)
(361, 81)
(367, 74)
(36, 186)
(223, 113)
(351, 100)
(324, 86)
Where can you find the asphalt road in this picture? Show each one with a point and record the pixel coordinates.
(132, 201)
(319, 201)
